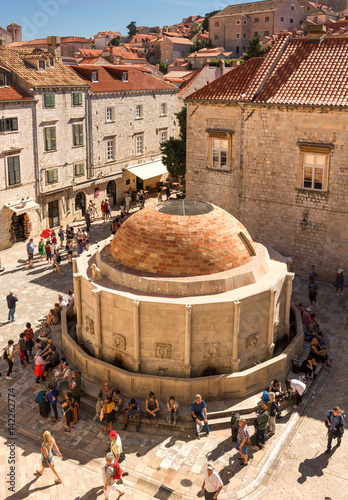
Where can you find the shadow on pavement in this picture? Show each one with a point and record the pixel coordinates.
(313, 467)
(92, 494)
(24, 492)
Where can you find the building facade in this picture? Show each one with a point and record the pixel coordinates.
(235, 25)
(270, 146)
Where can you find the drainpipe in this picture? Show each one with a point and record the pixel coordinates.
(36, 159)
(90, 163)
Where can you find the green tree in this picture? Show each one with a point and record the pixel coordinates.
(132, 28)
(174, 150)
(206, 19)
(195, 28)
(116, 41)
(162, 67)
(200, 45)
(254, 49)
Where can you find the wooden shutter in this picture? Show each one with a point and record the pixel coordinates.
(78, 134)
(14, 173)
(50, 100)
(14, 123)
(77, 98)
(50, 133)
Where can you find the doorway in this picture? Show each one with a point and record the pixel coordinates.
(53, 213)
(140, 184)
(80, 203)
(111, 191)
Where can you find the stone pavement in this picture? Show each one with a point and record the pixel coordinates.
(176, 462)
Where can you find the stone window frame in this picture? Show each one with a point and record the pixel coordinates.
(140, 137)
(110, 149)
(163, 133)
(13, 170)
(139, 111)
(110, 114)
(314, 149)
(224, 135)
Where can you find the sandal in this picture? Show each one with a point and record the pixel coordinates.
(38, 472)
(58, 481)
(66, 430)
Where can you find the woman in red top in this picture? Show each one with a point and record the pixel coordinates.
(29, 339)
(54, 238)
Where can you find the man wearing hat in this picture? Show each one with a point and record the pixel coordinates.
(334, 422)
(106, 391)
(212, 484)
(115, 445)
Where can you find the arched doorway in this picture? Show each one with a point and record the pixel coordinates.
(80, 202)
(111, 192)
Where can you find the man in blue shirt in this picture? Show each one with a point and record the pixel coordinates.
(11, 304)
(199, 415)
(335, 425)
(30, 252)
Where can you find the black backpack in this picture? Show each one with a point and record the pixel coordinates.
(5, 355)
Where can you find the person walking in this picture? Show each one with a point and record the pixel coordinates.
(48, 250)
(30, 252)
(29, 338)
(212, 484)
(242, 438)
(112, 472)
(334, 422)
(199, 415)
(42, 250)
(88, 220)
(61, 236)
(52, 397)
(339, 281)
(8, 356)
(115, 445)
(262, 420)
(313, 291)
(49, 444)
(273, 409)
(11, 304)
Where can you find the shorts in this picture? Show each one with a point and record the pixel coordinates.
(131, 412)
(244, 449)
(46, 461)
(69, 252)
(30, 256)
(113, 487)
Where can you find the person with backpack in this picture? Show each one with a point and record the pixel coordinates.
(334, 421)
(9, 353)
(261, 424)
(57, 261)
(112, 472)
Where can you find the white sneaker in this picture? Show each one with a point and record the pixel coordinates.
(341, 293)
(8, 378)
(337, 294)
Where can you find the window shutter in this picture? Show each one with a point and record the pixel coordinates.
(81, 134)
(2, 125)
(17, 169)
(11, 176)
(48, 139)
(14, 173)
(14, 123)
(79, 98)
(53, 138)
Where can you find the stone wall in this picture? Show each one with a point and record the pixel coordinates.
(263, 188)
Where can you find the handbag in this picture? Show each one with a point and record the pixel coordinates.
(248, 443)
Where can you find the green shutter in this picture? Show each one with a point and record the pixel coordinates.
(79, 169)
(78, 134)
(50, 136)
(50, 100)
(52, 175)
(14, 172)
(14, 123)
(77, 98)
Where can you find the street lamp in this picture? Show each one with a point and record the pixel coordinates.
(304, 222)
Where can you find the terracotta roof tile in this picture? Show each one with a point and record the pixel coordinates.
(90, 52)
(250, 8)
(110, 79)
(189, 82)
(13, 59)
(296, 71)
(13, 93)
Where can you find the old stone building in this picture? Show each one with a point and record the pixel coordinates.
(268, 142)
(234, 25)
(13, 33)
(168, 48)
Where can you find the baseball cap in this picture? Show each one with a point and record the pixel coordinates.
(210, 465)
(198, 396)
(113, 434)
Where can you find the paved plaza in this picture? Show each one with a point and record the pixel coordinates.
(293, 465)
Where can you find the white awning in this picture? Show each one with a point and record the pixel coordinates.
(96, 182)
(148, 170)
(20, 207)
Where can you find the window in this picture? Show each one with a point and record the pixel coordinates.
(219, 153)
(266, 33)
(110, 147)
(216, 24)
(216, 37)
(79, 169)
(139, 144)
(266, 19)
(282, 19)
(244, 35)
(50, 100)
(138, 111)
(256, 33)
(125, 76)
(8, 124)
(14, 171)
(238, 22)
(163, 109)
(291, 21)
(52, 62)
(292, 7)
(77, 98)
(3, 79)
(109, 114)
(127, 182)
(163, 136)
(94, 76)
(52, 175)
(244, 21)
(316, 18)
(244, 48)
(50, 139)
(256, 19)
(78, 134)
(314, 166)
(237, 50)
(237, 35)
(42, 65)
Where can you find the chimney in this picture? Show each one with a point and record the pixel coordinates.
(315, 33)
(53, 45)
(222, 67)
(3, 42)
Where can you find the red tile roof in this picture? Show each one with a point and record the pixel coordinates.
(13, 93)
(231, 85)
(189, 81)
(296, 71)
(90, 52)
(110, 79)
